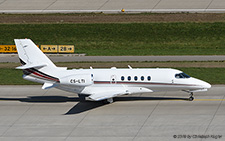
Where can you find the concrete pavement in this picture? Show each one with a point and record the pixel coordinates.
(30, 113)
(111, 6)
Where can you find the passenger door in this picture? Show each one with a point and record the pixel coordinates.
(113, 79)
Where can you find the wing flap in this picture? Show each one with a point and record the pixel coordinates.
(101, 94)
(105, 95)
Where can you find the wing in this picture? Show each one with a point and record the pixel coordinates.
(101, 93)
(105, 95)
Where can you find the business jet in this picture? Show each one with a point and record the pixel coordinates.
(102, 84)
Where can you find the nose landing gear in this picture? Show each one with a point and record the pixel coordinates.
(191, 98)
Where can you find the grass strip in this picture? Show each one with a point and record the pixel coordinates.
(125, 38)
(9, 76)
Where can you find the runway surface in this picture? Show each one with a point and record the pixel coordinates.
(30, 113)
(111, 6)
(74, 58)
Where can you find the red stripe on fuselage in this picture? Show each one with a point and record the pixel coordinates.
(40, 75)
(141, 83)
(44, 76)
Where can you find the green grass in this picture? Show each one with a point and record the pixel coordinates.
(125, 38)
(212, 75)
(9, 76)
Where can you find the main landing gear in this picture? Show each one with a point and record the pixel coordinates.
(108, 101)
(191, 98)
(82, 98)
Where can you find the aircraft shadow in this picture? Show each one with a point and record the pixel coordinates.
(86, 106)
(78, 108)
(81, 107)
(43, 99)
(147, 98)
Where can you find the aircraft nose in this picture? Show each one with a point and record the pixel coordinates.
(202, 84)
(206, 85)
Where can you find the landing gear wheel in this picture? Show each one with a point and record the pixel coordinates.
(82, 98)
(191, 98)
(108, 101)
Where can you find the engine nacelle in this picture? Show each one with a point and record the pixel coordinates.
(30, 78)
(77, 80)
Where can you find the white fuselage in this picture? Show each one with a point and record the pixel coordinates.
(130, 80)
(101, 84)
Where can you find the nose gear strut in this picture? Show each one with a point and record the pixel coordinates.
(191, 98)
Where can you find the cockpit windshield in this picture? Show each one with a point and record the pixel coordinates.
(181, 75)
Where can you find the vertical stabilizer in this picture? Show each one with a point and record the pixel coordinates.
(36, 65)
(31, 55)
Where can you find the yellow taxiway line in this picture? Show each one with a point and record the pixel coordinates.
(209, 99)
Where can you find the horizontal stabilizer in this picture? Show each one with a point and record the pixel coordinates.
(28, 66)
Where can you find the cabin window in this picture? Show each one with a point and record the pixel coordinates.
(149, 78)
(142, 78)
(135, 78)
(122, 78)
(129, 78)
(181, 75)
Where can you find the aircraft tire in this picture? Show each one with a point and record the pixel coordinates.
(82, 98)
(191, 98)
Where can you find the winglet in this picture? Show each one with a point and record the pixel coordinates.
(48, 86)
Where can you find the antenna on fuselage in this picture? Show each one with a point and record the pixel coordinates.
(130, 67)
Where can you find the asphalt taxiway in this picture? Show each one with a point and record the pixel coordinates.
(30, 113)
(111, 6)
